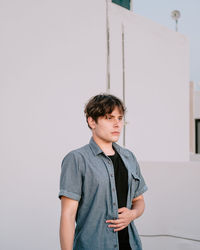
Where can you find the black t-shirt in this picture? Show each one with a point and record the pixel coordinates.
(121, 182)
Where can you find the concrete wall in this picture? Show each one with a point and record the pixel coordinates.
(196, 104)
(192, 121)
(172, 205)
(196, 116)
(157, 85)
(53, 58)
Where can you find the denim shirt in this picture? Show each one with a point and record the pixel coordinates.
(87, 175)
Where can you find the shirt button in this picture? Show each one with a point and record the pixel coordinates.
(114, 203)
(111, 175)
(113, 189)
(115, 246)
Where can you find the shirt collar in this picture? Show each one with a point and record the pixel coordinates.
(97, 150)
(120, 150)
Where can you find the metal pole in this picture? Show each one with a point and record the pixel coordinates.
(108, 48)
(123, 82)
(176, 25)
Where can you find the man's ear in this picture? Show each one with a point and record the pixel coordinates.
(91, 122)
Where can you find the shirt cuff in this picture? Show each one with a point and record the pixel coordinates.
(70, 195)
(141, 191)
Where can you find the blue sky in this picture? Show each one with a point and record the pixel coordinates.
(189, 24)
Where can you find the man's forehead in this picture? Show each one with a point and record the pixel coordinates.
(116, 112)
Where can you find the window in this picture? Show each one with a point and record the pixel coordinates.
(123, 3)
(197, 136)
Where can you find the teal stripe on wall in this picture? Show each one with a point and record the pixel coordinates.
(123, 3)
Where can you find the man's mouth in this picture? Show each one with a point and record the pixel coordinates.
(116, 133)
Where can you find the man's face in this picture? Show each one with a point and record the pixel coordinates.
(108, 127)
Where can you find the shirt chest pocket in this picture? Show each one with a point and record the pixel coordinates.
(134, 185)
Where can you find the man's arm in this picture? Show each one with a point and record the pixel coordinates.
(127, 215)
(138, 206)
(67, 222)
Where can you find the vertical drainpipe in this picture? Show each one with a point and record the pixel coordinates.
(123, 64)
(123, 82)
(108, 49)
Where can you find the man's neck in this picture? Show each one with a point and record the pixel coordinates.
(105, 146)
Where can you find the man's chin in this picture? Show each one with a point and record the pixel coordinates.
(115, 139)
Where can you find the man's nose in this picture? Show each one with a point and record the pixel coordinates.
(116, 122)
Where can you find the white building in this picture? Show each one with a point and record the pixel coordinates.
(53, 58)
(194, 122)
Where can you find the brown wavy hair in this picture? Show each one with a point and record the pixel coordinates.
(102, 104)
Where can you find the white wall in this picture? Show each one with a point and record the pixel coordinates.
(157, 86)
(172, 205)
(53, 58)
(196, 104)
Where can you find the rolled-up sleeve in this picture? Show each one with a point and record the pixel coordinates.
(71, 177)
(141, 187)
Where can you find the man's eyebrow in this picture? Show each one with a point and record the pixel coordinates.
(114, 116)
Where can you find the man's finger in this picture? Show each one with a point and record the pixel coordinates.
(122, 209)
(113, 221)
(119, 229)
(115, 225)
(120, 216)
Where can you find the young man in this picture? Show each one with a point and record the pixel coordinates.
(101, 185)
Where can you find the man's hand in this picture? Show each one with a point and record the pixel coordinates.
(125, 215)
(124, 218)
